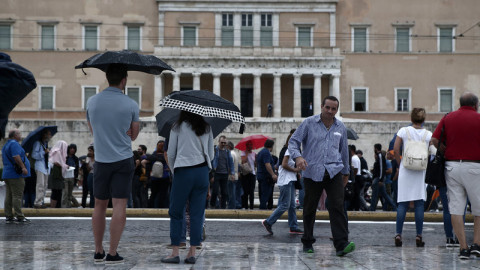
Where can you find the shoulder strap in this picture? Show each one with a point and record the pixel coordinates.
(424, 135)
(408, 134)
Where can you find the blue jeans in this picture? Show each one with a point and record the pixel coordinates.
(402, 212)
(189, 184)
(447, 220)
(265, 190)
(231, 190)
(379, 189)
(238, 194)
(286, 201)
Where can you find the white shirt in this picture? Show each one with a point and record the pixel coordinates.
(356, 164)
(284, 176)
(251, 160)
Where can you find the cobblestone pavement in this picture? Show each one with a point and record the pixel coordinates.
(67, 243)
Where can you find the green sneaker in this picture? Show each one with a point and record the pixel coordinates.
(308, 249)
(349, 248)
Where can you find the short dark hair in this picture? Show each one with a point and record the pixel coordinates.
(468, 99)
(11, 134)
(230, 144)
(72, 145)
(353, 148)
(144, 148)
(268, 143)
(378, 147)
(359, 152)
(91, 148)
(331, 98)
(116, 73)
(418, 115)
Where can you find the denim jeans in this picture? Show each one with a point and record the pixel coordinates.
(286, 201)
(238, 194)
(231, 190)
(402, 212)
(379, 189)
(447, 220)
(189, 184)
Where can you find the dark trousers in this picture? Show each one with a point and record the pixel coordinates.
(220, 181)
(265, 190)
(248, 184)
(159, 198)
(338, 221)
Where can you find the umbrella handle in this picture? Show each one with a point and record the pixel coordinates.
(242, 128)
(84, 72)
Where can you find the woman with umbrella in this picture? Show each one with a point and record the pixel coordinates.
(56, 182)
(190, 151)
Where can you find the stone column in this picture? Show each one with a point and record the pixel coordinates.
(237, 25)
(276, 27)
(216, 84)
(297, 94)
(161, 30)
(336, 88)
(176, 81)
(157, 94)
(196, 80)
(218, 29)
(277, 93)
(317, 93)
(257, 95)
(236, 89)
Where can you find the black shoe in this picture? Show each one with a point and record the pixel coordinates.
(475, 250)
(308, 249)
(464, 254)
(99, 257)
(190, 260)
(175, 259)
(450, 242)
(22, 221)
(117, 259)
(9, 220)
(267, 226)
(295, 231)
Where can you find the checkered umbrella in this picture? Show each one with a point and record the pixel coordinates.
(204, 103)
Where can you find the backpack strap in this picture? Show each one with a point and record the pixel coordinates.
(424, 136)
(408, 134)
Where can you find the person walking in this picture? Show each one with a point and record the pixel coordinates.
(461, 132)
(379, 176)
(265, 173)
(236, 203)
(224, 172)
(287, 175)
(113, 118)
(40, 152)
(411, 183)
(325, 162)
(13, 154)
(189, 153)
(56, 182)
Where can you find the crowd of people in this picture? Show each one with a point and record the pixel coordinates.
(188, 173)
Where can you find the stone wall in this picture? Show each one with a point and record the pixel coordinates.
(76, 131)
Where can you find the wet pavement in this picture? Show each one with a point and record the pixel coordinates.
(67, 243)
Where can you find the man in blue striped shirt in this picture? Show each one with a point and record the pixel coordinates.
(325, 161)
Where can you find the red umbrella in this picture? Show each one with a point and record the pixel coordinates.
(257, 142)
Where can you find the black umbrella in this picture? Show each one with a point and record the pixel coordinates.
(167, 117)
(36, 135)
(16, 82)
(351, 134)
(204, 103)
(132, 60)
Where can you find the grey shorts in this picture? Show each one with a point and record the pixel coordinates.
(113, 180)
(463, 179)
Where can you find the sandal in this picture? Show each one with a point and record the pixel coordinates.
(398, 240)
(419, 241)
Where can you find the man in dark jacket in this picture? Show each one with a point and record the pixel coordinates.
(379, 173)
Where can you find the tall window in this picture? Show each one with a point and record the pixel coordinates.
(227, 29)
(48, 37)
(445, 100)
(189, 36)
(266, 30)
(133, 38)
(403, 100)
(445, 39)
(360, 39)
(403, 39)
(360, 100)
(304, 36)
(90, 34)
(47, 97)
(247, 30)
(88, 92)
(134, 93)
(5, 37)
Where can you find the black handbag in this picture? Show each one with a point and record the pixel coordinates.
(435, 174)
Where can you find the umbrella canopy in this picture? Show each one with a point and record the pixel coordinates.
(35, 135)
(167, 117)
(351, 134)
(204, 103)
(257, 141)
(16, 83)
(132, 60)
